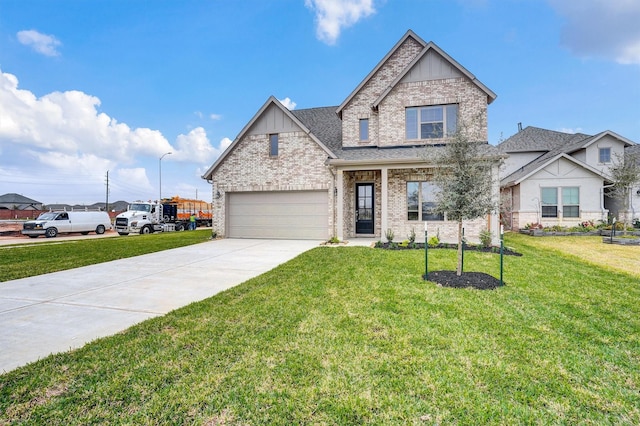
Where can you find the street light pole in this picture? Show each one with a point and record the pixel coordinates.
(160, 174)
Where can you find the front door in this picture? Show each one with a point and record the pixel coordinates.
(364, 208)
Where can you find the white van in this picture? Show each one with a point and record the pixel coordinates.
(53, 223)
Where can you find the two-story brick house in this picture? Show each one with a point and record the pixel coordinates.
(556, 178)
(359, 168)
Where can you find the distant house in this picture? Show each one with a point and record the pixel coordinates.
(14, 201)
(360, 168)
(635, 193)
(557, 178)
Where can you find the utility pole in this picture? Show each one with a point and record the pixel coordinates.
(106, 205)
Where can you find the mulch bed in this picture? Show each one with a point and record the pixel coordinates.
(420, 246)
(477, 280)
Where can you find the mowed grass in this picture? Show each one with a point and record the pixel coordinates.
(353, 335)
(26, 260)
(591, 250)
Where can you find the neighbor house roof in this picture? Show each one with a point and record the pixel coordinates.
(552, 145)
(534, 139)
(13, 198)
(541, 162)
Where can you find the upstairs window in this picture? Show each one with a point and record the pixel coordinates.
(273, 145)
(364, 129)
(432, 122)
(421, 201)
(604, 155)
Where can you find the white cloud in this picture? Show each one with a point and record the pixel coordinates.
(41, 43)
(334, 15)
(134, 177)
(215, 117)
(601, 28)
(69, 122)
(570, 130)
(195, 147)
(288, 103)
(224, 144)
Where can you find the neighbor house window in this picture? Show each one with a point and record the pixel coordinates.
(421, 201)
(571, 201)
(604, 155)
(273, 145)
(549, 202)
(364, 129)
(431, 122)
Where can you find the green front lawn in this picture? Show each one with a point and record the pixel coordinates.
(27, 260)
(353, 335)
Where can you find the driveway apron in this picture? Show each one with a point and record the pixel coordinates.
(64, 310)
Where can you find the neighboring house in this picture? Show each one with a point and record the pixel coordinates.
(360, 168)
(14, 201)
(635, 192)
(556, 178)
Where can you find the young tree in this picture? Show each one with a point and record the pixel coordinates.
(625, 173)
(465, 183)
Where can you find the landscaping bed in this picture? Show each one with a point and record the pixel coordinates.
(477, 280)
(628, 241)
(420, 246)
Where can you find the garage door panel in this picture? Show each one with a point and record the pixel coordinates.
(290, 214)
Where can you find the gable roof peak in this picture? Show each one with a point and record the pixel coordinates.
(409, 34)
(275, 102)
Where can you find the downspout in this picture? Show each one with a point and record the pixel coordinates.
(335, 198)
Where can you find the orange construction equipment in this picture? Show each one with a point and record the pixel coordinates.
(185, 207)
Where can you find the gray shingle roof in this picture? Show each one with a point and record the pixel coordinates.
(17, 199)
(550, 144)
(532, 139)
(324, 124)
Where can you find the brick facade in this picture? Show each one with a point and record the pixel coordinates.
(299, 166)
(303, 165)
(360, 106)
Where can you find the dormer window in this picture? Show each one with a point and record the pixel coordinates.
(431, 122)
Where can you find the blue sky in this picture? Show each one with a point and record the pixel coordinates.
(90, 86)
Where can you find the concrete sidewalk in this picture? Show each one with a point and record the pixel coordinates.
(64, 310)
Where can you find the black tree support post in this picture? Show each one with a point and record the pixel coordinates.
(501, 254)
(462, 260)
(426, 253)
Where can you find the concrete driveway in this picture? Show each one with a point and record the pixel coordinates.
(64, 310)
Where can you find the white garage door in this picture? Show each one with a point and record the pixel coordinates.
(290, 214)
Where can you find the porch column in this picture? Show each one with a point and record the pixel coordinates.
(384, 219)
(339, 205)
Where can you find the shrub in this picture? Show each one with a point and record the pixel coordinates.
(412, 236)
(533, 226)
(433, 241)
(405, 243)
(389, 234)
(485, 238)
(333, 240)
